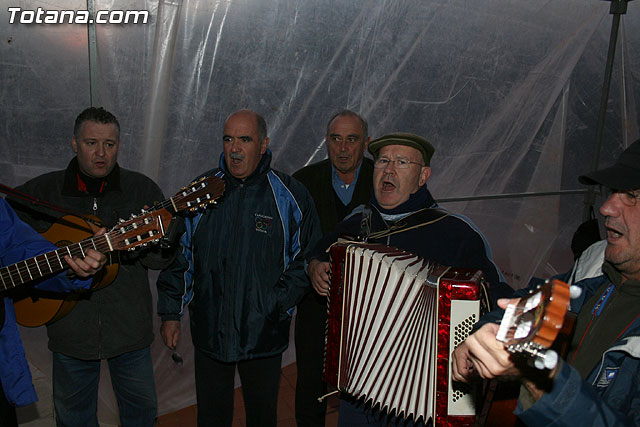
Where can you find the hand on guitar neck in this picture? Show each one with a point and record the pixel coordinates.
(92, 262)
(36, 308)
(482, 355)
(523, 339)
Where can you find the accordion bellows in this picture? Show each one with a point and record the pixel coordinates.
(394, 319)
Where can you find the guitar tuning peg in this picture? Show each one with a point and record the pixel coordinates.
(546, 360)
(575, 291)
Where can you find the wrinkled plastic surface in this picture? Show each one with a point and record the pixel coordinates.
(508, 92)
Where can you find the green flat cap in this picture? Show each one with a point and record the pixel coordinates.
(408, 139)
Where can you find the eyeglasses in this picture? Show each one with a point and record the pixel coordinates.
(627, 197)
(383, 162)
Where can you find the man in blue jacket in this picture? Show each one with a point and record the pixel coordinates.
(241, 268)
(597, 384)
(18, 242)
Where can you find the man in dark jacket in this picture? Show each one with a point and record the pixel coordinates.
(338, 185)
(113, 323)
(242, 270)
(597, 384)
(403, 214)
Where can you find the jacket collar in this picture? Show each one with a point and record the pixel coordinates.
(419, 200)
(261, 170)
(73, 181)
(589, 265)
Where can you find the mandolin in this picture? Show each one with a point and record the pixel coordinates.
(534, 328)
(532, 325)
(36, 307)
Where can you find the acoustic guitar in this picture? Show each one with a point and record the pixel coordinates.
(36, 307)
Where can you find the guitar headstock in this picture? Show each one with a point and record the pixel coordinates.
(139, 230)
(198, 194)
(532, 325)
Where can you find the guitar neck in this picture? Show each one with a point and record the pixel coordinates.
(48, 263)
(138, 230)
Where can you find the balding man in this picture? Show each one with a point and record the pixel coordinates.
(242, 268)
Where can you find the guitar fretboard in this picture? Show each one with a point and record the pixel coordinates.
(48, 263)
(196, 195)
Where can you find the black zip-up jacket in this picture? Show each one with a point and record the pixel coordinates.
(241, 266)
(117, 318)
(428, 231)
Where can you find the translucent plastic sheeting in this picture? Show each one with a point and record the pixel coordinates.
(507, 91)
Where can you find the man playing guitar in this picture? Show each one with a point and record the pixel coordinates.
(597, 383)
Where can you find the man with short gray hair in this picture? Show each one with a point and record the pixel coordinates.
(338, 185)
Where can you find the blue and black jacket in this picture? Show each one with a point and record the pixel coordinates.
(241, 266)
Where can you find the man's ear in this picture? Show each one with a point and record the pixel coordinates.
(425, 173)
(74, 144)
(264, 145)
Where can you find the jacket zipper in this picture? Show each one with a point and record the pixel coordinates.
(95, 212)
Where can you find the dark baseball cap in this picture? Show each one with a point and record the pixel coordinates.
(408, 139)
(623, 175)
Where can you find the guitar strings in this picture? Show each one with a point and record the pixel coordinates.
(43, 264)
(48, 263)
(53, 261)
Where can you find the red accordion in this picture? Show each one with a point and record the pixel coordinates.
(394, 319)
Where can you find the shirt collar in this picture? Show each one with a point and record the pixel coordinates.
(335, 178)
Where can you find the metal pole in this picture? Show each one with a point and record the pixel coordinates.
(92, 42)
(618, 7)
(511, 196)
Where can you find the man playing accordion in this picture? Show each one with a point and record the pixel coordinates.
(402, 213)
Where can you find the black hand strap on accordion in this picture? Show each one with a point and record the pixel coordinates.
(365, 223)
(411, 221)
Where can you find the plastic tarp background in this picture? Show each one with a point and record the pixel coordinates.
(508, 91)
